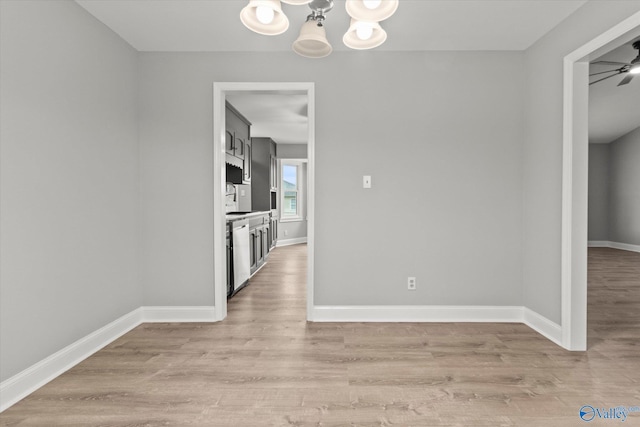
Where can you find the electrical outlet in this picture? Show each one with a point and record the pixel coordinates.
(286, 232)
(411, 283)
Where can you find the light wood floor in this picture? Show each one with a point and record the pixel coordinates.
(265, 366)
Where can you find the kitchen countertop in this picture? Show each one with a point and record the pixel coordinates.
(236, 217)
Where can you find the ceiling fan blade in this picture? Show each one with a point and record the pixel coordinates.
(610, 63)
(626, 80)
(605, 78)
(617, 70)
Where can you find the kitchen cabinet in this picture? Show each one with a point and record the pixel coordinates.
(237, 146)
(274, 232)
(264, 182)
(259, 232)
(273, 168)
(266, 239)
(253, 253)
(264, 173)
(229, 262)
(246, 178)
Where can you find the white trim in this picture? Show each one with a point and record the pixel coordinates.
(448, 314)
(178, 314)
(220, 90)
(417, 313)
(542, 325)
(575, 106)
(26, 382)
(289, 242)
(614, 245)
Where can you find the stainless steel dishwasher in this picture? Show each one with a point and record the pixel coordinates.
(241, 256)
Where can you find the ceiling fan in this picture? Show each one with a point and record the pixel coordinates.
(631, 69)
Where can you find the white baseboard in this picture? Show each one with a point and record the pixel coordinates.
(22, 384)
(613, 245)
(417, 313)
(289, 242)
(178, 314)
(26, 382)
(458, 314)
(542, 325)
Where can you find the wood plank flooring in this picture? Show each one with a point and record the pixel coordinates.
(266, 366)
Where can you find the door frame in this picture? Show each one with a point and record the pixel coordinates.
(220, 89)
(575, 154)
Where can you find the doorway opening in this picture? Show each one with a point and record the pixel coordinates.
(575, 178)
(221, 92)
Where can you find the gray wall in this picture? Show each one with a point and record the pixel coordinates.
(296, 229)
(624, 198)
(444, 151)
(542, 166)
(68, 187)
(598, 192)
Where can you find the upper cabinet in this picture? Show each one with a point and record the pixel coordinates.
(273, 172)
(238, 146)
(265, 173)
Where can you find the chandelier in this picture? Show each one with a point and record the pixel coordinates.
(266, 17)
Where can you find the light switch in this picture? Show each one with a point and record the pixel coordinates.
(366, 181)
(242, 193)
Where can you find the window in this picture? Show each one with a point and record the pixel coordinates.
(291, 190)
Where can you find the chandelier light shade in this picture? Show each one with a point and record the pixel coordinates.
(265, 17)
(371, 10)
(364, 35)
(312, 42)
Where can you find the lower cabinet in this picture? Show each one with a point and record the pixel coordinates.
(259, 241)
(229, 263)
(274, 233)
(253, 255)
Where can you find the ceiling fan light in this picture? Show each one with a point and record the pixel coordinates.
(635, 69)
(296, 2)
(371, 10)
(264, 17)
(353, 38)
(312, 42)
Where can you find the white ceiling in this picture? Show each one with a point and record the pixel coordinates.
(613, 110)
(281, 116)
(214, 25)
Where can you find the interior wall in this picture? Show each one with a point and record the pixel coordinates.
(444, 151)
(624, 200)
(68, 179)
(542, 168)
(598, 192)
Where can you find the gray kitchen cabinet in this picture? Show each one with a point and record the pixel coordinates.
(274, 232)
(264, 161)
(229, 262)
(253, 253)
(246, 177)
(238, 146)
(259, 231)
(273, 173)
(266, 239)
